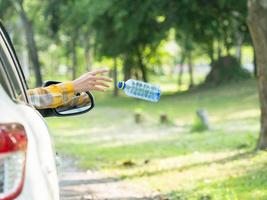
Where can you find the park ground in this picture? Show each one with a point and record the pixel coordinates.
(171, 159)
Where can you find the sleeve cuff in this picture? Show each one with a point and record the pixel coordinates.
(69, 87)
(67, 90)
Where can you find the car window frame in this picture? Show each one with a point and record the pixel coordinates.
(8, 80)
(7, 87)
(15, 67)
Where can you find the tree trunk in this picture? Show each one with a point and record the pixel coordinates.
(255, 71)
(211, 53)
(181, 71)
(239, 42)
(31, 44)
(219, 51)
(127, 67)
(142, 66)
(190, 68)
(143, 70)
(115, 77)
(136, 73)
(87, 52)
(74, 57)
(257, 22)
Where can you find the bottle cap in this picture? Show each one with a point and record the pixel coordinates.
(158, 95)
(121, 85)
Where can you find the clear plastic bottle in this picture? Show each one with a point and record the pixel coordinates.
(141, 90)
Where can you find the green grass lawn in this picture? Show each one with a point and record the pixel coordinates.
(216, 164)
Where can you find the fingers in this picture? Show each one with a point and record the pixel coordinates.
(101, 78)
(94, 82)
(99, 86)
(102, 84)
(100, 89)
(99, 71)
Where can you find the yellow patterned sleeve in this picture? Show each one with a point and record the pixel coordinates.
(52, 96)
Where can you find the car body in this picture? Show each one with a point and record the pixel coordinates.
(27, 161)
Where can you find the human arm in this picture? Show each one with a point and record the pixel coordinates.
(65, 94)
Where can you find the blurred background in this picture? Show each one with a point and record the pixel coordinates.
(199, 140)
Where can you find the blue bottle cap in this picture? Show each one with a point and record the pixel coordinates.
(158, 95)
(121, 85)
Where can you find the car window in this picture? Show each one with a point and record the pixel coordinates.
(9, 68)
(4, 81)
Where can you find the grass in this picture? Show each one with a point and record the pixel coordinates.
(219, 163)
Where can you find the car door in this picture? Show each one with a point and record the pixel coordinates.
(40, 181)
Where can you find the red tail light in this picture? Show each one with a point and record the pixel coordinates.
(13, 146)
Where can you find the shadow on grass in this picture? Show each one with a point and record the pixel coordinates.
(235, 157)
(252, 185)
(95, 156)
(87, 181)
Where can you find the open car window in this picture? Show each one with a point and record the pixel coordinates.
(10, 73)
(4, 81)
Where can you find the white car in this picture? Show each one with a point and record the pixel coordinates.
(27, 161)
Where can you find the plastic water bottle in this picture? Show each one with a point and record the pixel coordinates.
(141, 90)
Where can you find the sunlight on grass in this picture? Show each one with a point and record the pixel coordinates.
(215, 164)
(217, 175)
(252, 113)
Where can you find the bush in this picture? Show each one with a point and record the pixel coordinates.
(226, 69)
(199, 126)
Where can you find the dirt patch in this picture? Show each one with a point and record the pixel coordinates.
(76, 184)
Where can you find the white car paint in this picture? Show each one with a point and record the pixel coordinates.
(41, 182)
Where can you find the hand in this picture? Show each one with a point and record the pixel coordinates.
(90, 81)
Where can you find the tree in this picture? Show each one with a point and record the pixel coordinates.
(127, 29)
(31, 44)
(206, 25)
(115, 76)
(6, 8)
(72, 20)
(257, 22)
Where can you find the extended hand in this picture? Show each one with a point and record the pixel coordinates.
(90, 81)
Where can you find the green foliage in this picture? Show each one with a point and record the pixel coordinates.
(127, 30)
(202, 23)
(122, 29)
(133, 31)
(5, 9)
